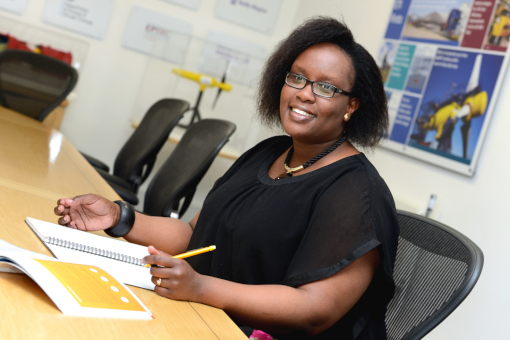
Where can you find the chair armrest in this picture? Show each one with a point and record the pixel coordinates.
(125, 194)
(114, 179)
(96, 163)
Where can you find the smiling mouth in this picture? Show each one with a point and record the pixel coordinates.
(302, 113)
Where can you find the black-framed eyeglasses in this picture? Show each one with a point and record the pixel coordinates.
(319, 88)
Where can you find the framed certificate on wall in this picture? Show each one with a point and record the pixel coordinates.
(87, 17)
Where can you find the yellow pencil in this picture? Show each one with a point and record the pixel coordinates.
(191, 253)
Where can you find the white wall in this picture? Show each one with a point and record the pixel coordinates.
(97, 121)
(477, 206)
(115, 85)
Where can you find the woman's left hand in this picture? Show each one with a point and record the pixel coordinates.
(178, 280)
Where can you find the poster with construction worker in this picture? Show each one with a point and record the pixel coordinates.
(499, 32)
(442, 64)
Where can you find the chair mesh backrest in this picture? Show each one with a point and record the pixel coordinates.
(431, 267)
(34, 84)
(148, 138)
(187, 164)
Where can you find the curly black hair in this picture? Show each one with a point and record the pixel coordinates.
(370, 122)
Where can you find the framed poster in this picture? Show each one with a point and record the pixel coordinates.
(13, 6)
(258, 15)
(442, 63)
(191, 4)
(240, 60)
(157, 35)
(87, 17)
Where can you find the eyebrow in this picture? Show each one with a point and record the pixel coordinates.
(327, 81)
(302, 71)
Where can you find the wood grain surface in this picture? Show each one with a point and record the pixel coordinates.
(37, 166)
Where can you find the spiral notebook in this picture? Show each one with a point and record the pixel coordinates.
(119, 258)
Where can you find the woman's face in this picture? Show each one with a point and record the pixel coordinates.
(311, 118)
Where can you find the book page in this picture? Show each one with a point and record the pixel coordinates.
(5, 264)
(91, 286)
(78, 289)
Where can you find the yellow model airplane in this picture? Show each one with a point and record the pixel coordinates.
(205, 81)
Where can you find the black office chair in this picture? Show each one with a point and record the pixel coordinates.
(34, 84)
(435, 269)
(179, 176)
(136, 158)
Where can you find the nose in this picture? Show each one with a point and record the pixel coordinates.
(306, 93)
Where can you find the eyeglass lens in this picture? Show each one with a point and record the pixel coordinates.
(320, 89)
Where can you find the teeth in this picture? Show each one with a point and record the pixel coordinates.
(303, 113)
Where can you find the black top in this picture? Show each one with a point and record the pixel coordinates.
(301, 229)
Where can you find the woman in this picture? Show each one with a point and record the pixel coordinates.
(301, 251)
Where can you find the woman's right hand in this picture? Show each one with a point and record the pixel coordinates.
(87, 212)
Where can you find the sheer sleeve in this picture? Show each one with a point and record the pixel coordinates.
(353, 216)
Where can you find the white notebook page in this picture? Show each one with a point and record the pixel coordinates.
(127, 273)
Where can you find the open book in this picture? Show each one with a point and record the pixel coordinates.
(121, 259)
(76, 289)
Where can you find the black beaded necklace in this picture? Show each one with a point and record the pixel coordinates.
(289, 171)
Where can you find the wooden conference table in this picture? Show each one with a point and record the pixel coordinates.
(37, 167)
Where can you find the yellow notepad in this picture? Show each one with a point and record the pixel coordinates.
(76, 289)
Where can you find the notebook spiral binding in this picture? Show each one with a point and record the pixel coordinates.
(96, 251)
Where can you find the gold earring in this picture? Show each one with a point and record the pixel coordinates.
(346, 117)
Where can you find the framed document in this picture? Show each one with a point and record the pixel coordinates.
(192, 4)
(87, 17)
(258, 15)
(13, 6)
(240, 60)
(157, 35)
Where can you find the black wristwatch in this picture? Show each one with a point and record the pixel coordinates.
(126, 220)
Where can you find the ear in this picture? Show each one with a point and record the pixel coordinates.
(352, 106)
